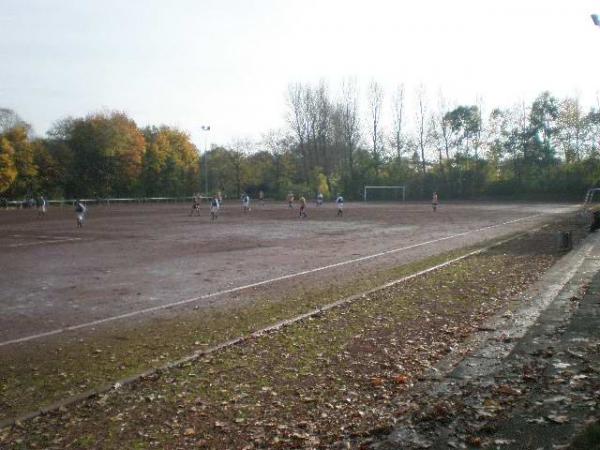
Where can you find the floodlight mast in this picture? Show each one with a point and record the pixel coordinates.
(206, 129)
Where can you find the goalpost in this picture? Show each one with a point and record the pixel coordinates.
(383, 193)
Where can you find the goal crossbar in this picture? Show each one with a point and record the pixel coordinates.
(373, 187)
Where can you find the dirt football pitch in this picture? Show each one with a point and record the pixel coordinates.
(137, 261)
(142, 286)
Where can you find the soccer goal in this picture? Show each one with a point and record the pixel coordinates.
(384, 193)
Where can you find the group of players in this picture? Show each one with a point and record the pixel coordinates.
(41, 204)
(80, 210)
(339, 201)
(216, 203)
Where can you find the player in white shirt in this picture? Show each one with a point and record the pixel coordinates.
(42, 205)
(246, 203)
(214, 208)
(339, 201)
(80, 211)
(319, 199)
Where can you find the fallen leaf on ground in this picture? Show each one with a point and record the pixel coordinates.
(400, 379)
(376, 381)
(558, 419)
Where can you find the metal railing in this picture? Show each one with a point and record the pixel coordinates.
(100, 201)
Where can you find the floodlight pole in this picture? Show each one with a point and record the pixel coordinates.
(206, 129)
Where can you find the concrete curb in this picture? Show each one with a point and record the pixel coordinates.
(547, 306)
(560, 283)
(484, 352)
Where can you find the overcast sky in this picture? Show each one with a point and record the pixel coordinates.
(228, 63)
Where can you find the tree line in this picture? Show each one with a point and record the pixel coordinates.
(548, 148)
(102, 155)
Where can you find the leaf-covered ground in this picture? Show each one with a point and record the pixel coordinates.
(35, 374)
(545, 392)
(320, 383)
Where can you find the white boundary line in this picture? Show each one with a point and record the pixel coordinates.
(249, 286)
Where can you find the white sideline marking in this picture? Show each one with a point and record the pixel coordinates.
(248, 286)
(42, 242)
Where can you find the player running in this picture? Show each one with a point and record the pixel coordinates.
(80, 211)
(434, 202)
(214, 208)
(246, 203)
(319, 199)
(302, 207)
(195, 205)
(290, 199)
(42, 205)
(339, 201)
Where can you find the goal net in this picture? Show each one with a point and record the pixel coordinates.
(384, 193)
